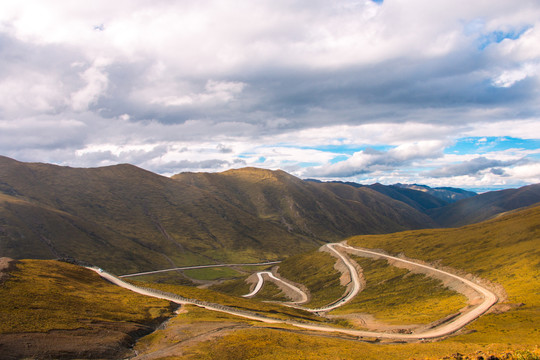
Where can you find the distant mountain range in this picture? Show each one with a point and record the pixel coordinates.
(448, 194)
(127, 219)
(421, 197)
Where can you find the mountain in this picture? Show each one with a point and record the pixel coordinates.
(420, 197)
(485, 206)
(499, 253)
(447, 194)
(324, 211)
(127, 219)
(452, 207)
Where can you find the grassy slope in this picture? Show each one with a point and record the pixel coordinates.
(126, 219)
(418, 199)
(41, 295)
(484, 206)
(147, 221)
(316, 271)
(267, 309)
(385, 284)
(396, 296)
(319, 211)
(269, 344)
(504, 250)
(212, 273)
(236, 287)
(271, 292)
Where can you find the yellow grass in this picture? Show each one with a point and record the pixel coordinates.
(42, 295)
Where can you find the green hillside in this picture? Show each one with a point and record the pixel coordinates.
(485, 206)
(505, 251)
(416, 198)
(126, 219)
(325, 211)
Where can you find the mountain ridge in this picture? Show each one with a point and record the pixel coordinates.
(128, 219)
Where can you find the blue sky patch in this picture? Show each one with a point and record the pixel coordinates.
(497, 36)
(482, 145)
(338, 159)
(346, 149)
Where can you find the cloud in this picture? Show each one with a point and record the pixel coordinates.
(216, 92)
(509, 77)
(224, 149)
(474, 166)
(309, 87)
(96, 82)
(371, 160)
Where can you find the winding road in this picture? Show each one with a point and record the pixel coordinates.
(355, 281)
(260, 282)
(489, 299)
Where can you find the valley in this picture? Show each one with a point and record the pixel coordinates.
(252, 263)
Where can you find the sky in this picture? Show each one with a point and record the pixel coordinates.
(442, 93)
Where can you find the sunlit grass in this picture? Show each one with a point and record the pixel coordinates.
(236, 287)
(266, 309)
(267, 344)
(505, 251)
(397, 296)
(42, 295)
(316, 271)
(212, 273)
(271, 291)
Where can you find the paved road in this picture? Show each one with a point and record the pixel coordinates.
(199, 267)
(446, 329)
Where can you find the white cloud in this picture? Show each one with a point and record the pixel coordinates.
(525, 48)
(96, 83)
(518, 128)
(509, 77)
(216, 92)
(370, 160)
(529, 173)
(277, 84)
(30, 93)
(47, 131)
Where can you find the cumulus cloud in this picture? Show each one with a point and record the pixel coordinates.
(306, 86)
(96, 82)
(509, 77)
(370, 160)
(472, 167)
